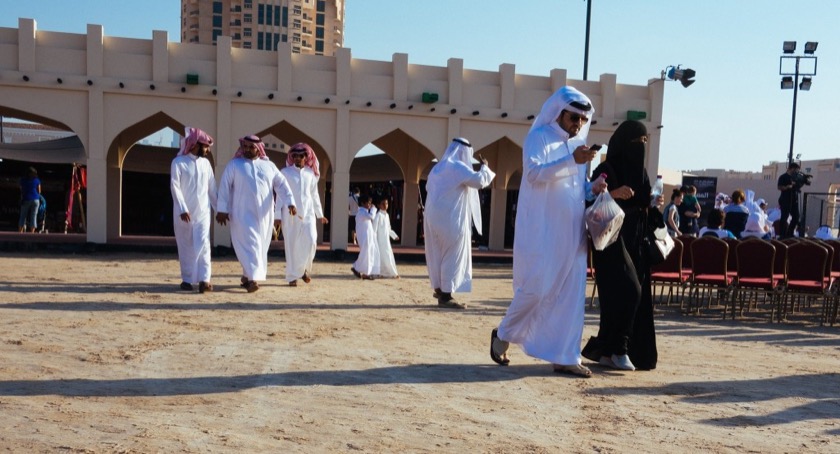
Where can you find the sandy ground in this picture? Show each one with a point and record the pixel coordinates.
(102, 353)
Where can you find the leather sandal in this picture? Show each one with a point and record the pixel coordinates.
(253, 286)
(205, 287)
(498, 349)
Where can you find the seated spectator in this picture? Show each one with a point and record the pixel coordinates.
(715, 227)
(824, 233)
(755, 227)
(736, 213)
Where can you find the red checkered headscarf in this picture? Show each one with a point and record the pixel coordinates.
(194, 136)
(240, 153)
(310, 160)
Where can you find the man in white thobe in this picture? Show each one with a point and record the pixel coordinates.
(246, 199)
(452, 209)
(193, 188)
(300, 234)
(549, 250)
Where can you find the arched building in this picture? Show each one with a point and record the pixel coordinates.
(112, 92)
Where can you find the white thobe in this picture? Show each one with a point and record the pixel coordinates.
(384, 235)
(246, 193)
(368, 260)
(447, 226)
(193, 188)
(549, 250)
(300, 233)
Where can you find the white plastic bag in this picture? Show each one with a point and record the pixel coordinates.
(604, 219)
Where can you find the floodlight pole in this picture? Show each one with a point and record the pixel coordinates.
(586, 45)
(793, 114)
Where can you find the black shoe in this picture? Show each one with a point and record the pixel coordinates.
(186, 286)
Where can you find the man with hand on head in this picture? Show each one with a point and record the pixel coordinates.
(193, 188)
(452, 209)
(246, 199)
(549, 250)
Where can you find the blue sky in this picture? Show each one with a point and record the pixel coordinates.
(735, 116)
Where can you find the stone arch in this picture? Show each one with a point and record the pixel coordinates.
(56, 161)
(126, 155)
(403, 162)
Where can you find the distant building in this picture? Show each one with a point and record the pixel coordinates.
(18, 132)
(314, 27)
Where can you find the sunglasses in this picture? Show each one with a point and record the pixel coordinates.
(297, 153)
(577, 118)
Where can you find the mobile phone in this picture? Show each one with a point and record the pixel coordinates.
(595, 147)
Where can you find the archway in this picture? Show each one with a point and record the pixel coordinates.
(57, 154)
(138, 178)
(391, 165)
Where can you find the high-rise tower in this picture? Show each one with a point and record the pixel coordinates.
(310, 26)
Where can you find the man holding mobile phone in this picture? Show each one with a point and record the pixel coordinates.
(549, 248)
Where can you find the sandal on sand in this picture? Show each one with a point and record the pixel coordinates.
(293, 284)
(243, 282)
(205, 287)
(574, 369)
(437, 293)
(306, 277)
(253, 286)
(356, 273)
(186, 286)
(498, 349)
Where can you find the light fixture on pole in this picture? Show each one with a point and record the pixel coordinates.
(678, 73)
(803, 65)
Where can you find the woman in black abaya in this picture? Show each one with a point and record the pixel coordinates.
(626, 337)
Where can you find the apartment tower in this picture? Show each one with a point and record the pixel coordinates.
(313, 27)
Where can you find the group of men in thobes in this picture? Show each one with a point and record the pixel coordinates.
(549, 269)
(246, 199)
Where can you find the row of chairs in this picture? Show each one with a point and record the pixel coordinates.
(789, 275)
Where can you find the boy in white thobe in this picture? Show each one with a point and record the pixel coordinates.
(246, 198)
(384, 235)
(549, 248)
(452, 209)
(193, 188)
(300, 235)
(367, 264)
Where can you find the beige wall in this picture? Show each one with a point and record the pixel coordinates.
(109, 119)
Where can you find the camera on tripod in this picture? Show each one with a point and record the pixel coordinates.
(801, 179)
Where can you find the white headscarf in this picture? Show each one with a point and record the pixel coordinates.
(459, 153)
(561, 100)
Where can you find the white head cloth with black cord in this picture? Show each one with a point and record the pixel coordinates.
(459, 154)
(569, 99)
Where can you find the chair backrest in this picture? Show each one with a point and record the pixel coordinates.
(735, 222)
(709, 256)
(732, 261)
(806, 261)
(830, 258)
(835, 264)
(790, 240)
(755, 258)
(686, 241)
(672, 264)
(780, 263)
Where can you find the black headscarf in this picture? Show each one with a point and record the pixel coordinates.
(627, 161)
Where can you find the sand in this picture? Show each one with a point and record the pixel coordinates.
(101, 353)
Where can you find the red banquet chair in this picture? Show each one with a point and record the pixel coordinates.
(755, 275)
(670, 273)
(805, 279)
(709, 256)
